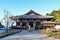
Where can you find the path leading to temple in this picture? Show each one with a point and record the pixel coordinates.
(26, 35)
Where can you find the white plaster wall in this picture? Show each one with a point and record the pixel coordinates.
(57, 26)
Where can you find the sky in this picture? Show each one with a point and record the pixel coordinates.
(20, 7)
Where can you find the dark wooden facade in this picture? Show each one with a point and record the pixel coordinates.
(32, 20)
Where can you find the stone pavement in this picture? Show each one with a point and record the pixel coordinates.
(26, 35)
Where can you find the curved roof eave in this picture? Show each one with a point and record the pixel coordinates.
(34, 16)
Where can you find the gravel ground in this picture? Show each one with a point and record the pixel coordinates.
(26, 35)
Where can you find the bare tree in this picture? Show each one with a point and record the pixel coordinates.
(7, 20)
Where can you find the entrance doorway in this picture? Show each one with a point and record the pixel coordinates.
(24, 25)
(38, 25)
(31, 24)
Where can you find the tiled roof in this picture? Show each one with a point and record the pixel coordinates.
(32, 14)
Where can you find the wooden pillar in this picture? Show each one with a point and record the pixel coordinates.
(18, 23)
(21, 24)
(34, 25)
(28, 26)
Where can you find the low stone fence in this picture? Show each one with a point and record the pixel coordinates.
(10, 32)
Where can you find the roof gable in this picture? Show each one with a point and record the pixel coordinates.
(31, 13)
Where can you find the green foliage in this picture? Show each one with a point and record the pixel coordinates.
(56, 14)
(1, 26)
(47, 13)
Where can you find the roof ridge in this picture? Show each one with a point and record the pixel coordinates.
(30, 12)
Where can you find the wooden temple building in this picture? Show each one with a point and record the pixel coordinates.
(33, 20)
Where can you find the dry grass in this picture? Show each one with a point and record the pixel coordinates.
(46, 32)
(52, 33)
